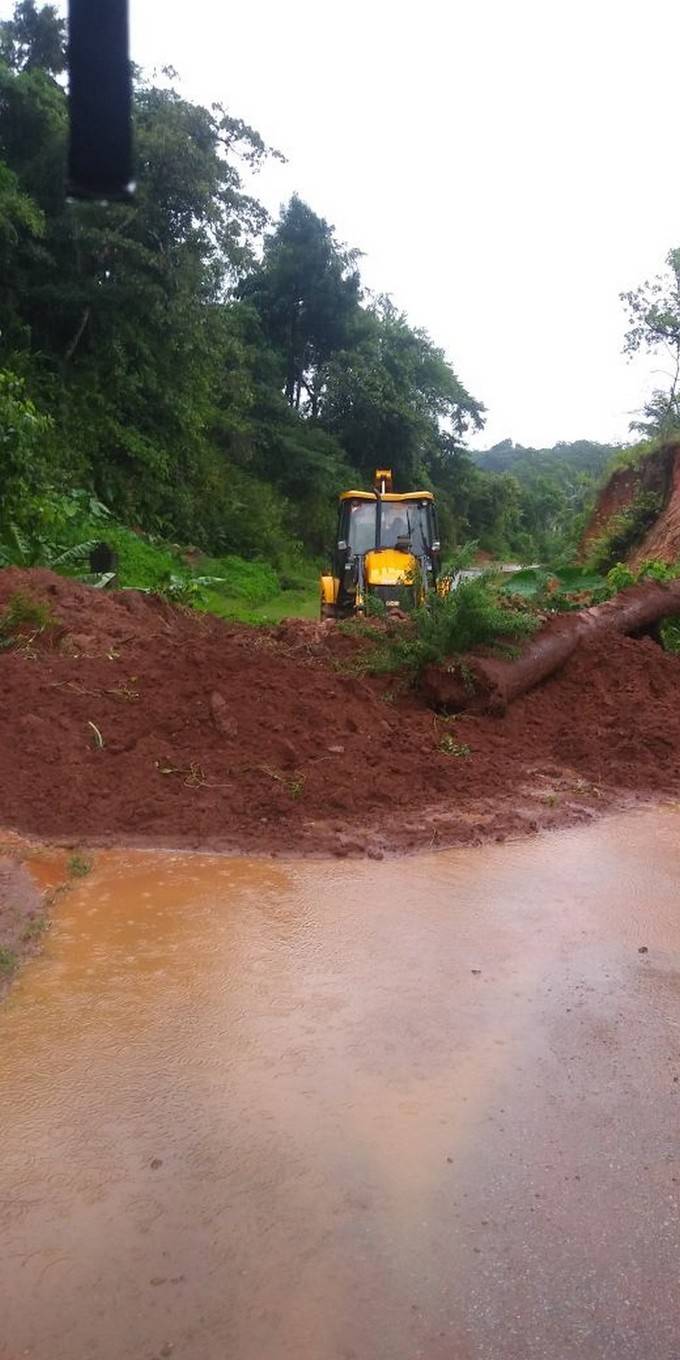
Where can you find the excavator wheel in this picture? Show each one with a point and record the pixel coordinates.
(328, 611)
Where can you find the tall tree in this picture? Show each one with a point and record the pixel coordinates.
(392, 398)
(34, 39)
(654, 316)
(307, 293)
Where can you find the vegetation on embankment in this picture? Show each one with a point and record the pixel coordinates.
(636, 516)
(212, 377)
(557, 487)
(59, 531)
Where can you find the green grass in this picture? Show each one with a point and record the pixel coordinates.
(252, 592)
(21, 617)
(79, 867)
(8, 962)
(257, 592)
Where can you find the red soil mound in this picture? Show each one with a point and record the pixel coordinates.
(133, 721)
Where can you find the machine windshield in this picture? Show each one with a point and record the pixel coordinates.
(362, 526)
(406, 520)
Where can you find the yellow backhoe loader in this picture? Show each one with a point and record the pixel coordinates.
(387, 549)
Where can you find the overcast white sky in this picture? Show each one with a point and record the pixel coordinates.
(507, 166)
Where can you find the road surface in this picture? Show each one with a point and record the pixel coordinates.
(351, 1111)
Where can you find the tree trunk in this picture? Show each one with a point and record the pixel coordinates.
(78, 335)
(291, 363)
(489, 684)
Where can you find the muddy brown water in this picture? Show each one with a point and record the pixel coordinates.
(351, 1111)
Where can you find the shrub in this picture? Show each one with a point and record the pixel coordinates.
(624, 531)
(653, 570)
(22, 617)
(473, 615)
(619, 577)
(670, 635)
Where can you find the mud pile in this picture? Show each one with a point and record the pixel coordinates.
(129, 721)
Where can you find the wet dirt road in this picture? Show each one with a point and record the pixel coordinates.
(312, 1111)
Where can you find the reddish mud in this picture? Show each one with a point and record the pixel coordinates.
(418, 1110)
(130, 721)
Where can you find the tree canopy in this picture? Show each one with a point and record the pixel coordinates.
(211, 375)
(654, 327)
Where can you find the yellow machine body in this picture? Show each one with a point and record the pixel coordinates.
(381, 552)
(389, 568)
(330, 586)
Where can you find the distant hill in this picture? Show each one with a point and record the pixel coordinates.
(563, 460)
(557, 488)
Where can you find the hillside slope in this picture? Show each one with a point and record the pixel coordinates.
(628, 497)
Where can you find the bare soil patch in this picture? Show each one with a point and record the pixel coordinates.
(129, 721)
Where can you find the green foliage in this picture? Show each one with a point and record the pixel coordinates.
(619, 577)
(78, 866)
(654, 570)
(473, 615)
(449, 747)
(375, 608)
(212, 377)
(8, 961)
(654, 327)
(461, 558)
(624, 530)
(24, 446)
(34, 38)
(670, 636)
(306, 292)
(556, 492)
(22, 617)
(559, 590)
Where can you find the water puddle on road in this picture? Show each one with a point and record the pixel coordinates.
(350, 1111)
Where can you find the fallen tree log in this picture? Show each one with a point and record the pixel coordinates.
(487, 684)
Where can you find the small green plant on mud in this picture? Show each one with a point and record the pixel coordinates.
(8, 962)
(449, 747)
(23, 618)
(35, 929)
(78, 866)
(670, 636)
(295, 783)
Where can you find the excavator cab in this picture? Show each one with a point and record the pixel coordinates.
(387, 548)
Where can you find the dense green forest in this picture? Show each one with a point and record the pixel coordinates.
(206, 375)
(557, 487)
(210, 376)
